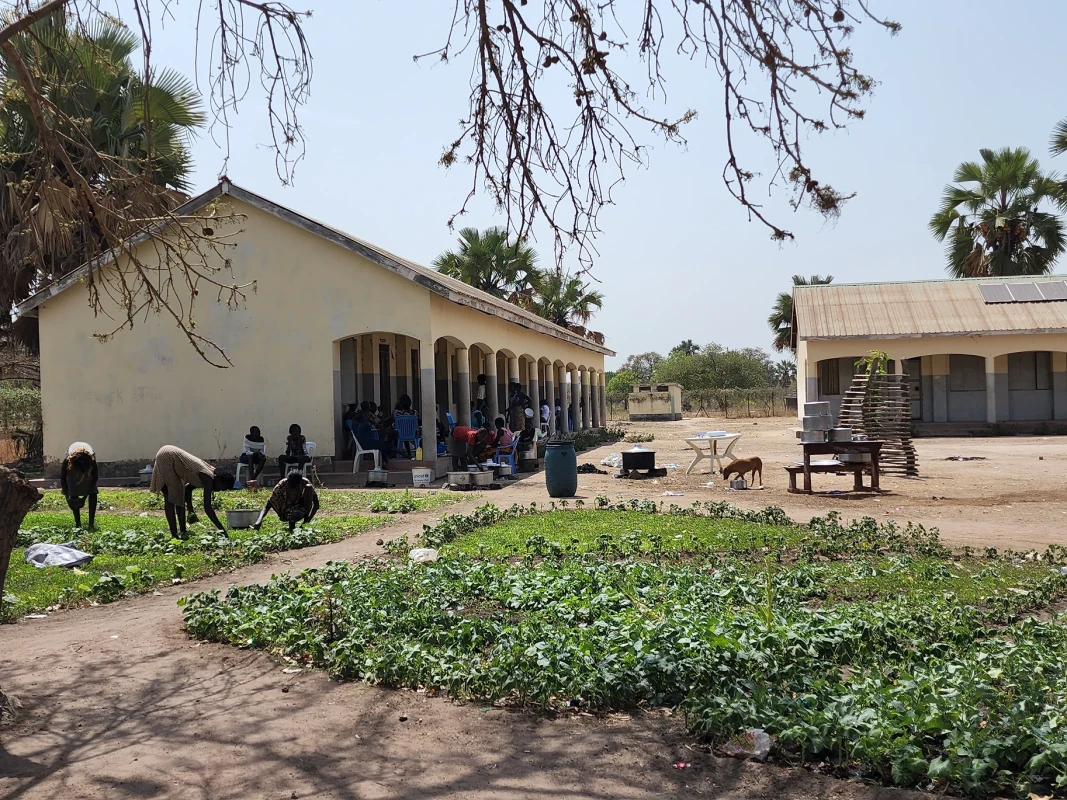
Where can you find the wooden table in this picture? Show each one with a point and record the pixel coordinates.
(711, 452)
(871, 447)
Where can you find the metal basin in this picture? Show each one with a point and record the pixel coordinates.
(840, 434)
(822, 422)
(242, 518)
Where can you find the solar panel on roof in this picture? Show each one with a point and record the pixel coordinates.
(1024, 292)
(1053, 290)
(995, 292)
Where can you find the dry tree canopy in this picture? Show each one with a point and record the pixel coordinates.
(555, 118)
(93, 151)
(783, 69)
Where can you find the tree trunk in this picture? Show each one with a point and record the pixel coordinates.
(16, 498)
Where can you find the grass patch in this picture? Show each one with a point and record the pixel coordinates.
(868, 649)
(136, 554)
(330, 500)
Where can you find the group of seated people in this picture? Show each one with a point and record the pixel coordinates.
(476, 445)
(375, 431)
(253, 455)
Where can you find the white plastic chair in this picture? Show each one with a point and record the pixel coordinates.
(361, 454)
(310, 448)
(255, 447)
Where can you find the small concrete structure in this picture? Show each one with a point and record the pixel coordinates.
(655, 402)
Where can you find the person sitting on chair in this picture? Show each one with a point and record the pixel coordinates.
(77, 478)
(403, 409)
(254, 457)
(504, 436)
(294, 500)
(367, 436)
(296, 451)
(174, 474)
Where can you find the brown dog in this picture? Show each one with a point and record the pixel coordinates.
(742, 466)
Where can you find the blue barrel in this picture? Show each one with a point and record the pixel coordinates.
(561, 469)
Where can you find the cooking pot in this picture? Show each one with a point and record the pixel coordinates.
(821, 422)
(817, 409)
(809, 437)
(841, 434)
(638, 458)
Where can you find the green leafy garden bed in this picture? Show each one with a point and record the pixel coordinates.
(870, 650)
(330, 500)
(136, 554)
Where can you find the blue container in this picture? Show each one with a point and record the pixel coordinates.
(561, 469)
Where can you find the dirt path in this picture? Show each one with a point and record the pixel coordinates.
(120, 703)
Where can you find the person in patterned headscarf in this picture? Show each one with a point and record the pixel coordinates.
(174, 475)
(77, 479)
(293, 500)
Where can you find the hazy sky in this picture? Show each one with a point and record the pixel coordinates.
(678, 258)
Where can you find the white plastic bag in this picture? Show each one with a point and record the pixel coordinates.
(423, 555)
(614, 460)
(754, 743)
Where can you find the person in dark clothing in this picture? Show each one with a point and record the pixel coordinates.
(518, 402)
(293, 500)
(78, 476)
(296, 451)
(254, 457)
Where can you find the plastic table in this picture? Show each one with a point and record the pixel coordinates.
(708, 447)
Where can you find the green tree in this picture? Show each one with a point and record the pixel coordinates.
(780, 320)
(492, 262)
(717, 367)
(686, 347)
(993, 218)
(619, 386)
(565, 300)
(126, 132)
(643, 365)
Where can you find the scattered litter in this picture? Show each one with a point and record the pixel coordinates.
(682, 764)
(671, 466)
(590, 469)
(754, 743)
(36, 616)
(674, 494)
(143, 514)
(285, 690)
(403, 717)
(1040, 458)
(836, 491)
(614, 460)
(709, 485)
(1063, 570)
(291, 671)
(56, 555)
(423, 555)
(116, 636)
(965, 458)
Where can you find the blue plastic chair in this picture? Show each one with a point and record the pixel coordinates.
(508, 458)
(450, 420)
(406, 430)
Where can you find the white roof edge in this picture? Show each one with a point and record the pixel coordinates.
(424, 276)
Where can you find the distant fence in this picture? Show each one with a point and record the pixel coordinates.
(20, 423)
(729, 403)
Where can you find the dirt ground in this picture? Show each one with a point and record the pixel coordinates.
(120, 703)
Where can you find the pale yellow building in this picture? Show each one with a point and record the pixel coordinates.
(976, 352)
(655, 402)
(332, 320)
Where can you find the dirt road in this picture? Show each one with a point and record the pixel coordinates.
(119, 703)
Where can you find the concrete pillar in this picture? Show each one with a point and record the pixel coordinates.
(990, 389)
(576, 399)
(594, 402)
(492, 390)
(926, 383)
(463, 382)
(586, 403)
(602, 397)
(513, 372)
(534, 392)
(428, 398)
(1059, 385)
(1000, 387)
(550, 397)
(939, 384)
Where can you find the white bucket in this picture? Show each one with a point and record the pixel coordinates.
(421, 476)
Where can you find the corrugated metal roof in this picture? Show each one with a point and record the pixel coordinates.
(449, 288)
(918, 308)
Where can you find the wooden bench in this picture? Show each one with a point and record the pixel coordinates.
(836, 467)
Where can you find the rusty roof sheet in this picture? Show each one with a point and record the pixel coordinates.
(919, 308)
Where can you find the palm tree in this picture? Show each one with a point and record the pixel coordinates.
(491, 262)
(686, 348)
(566, 301)
(994, 222)
(785, 372)
(781, 317)
(129, 140)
